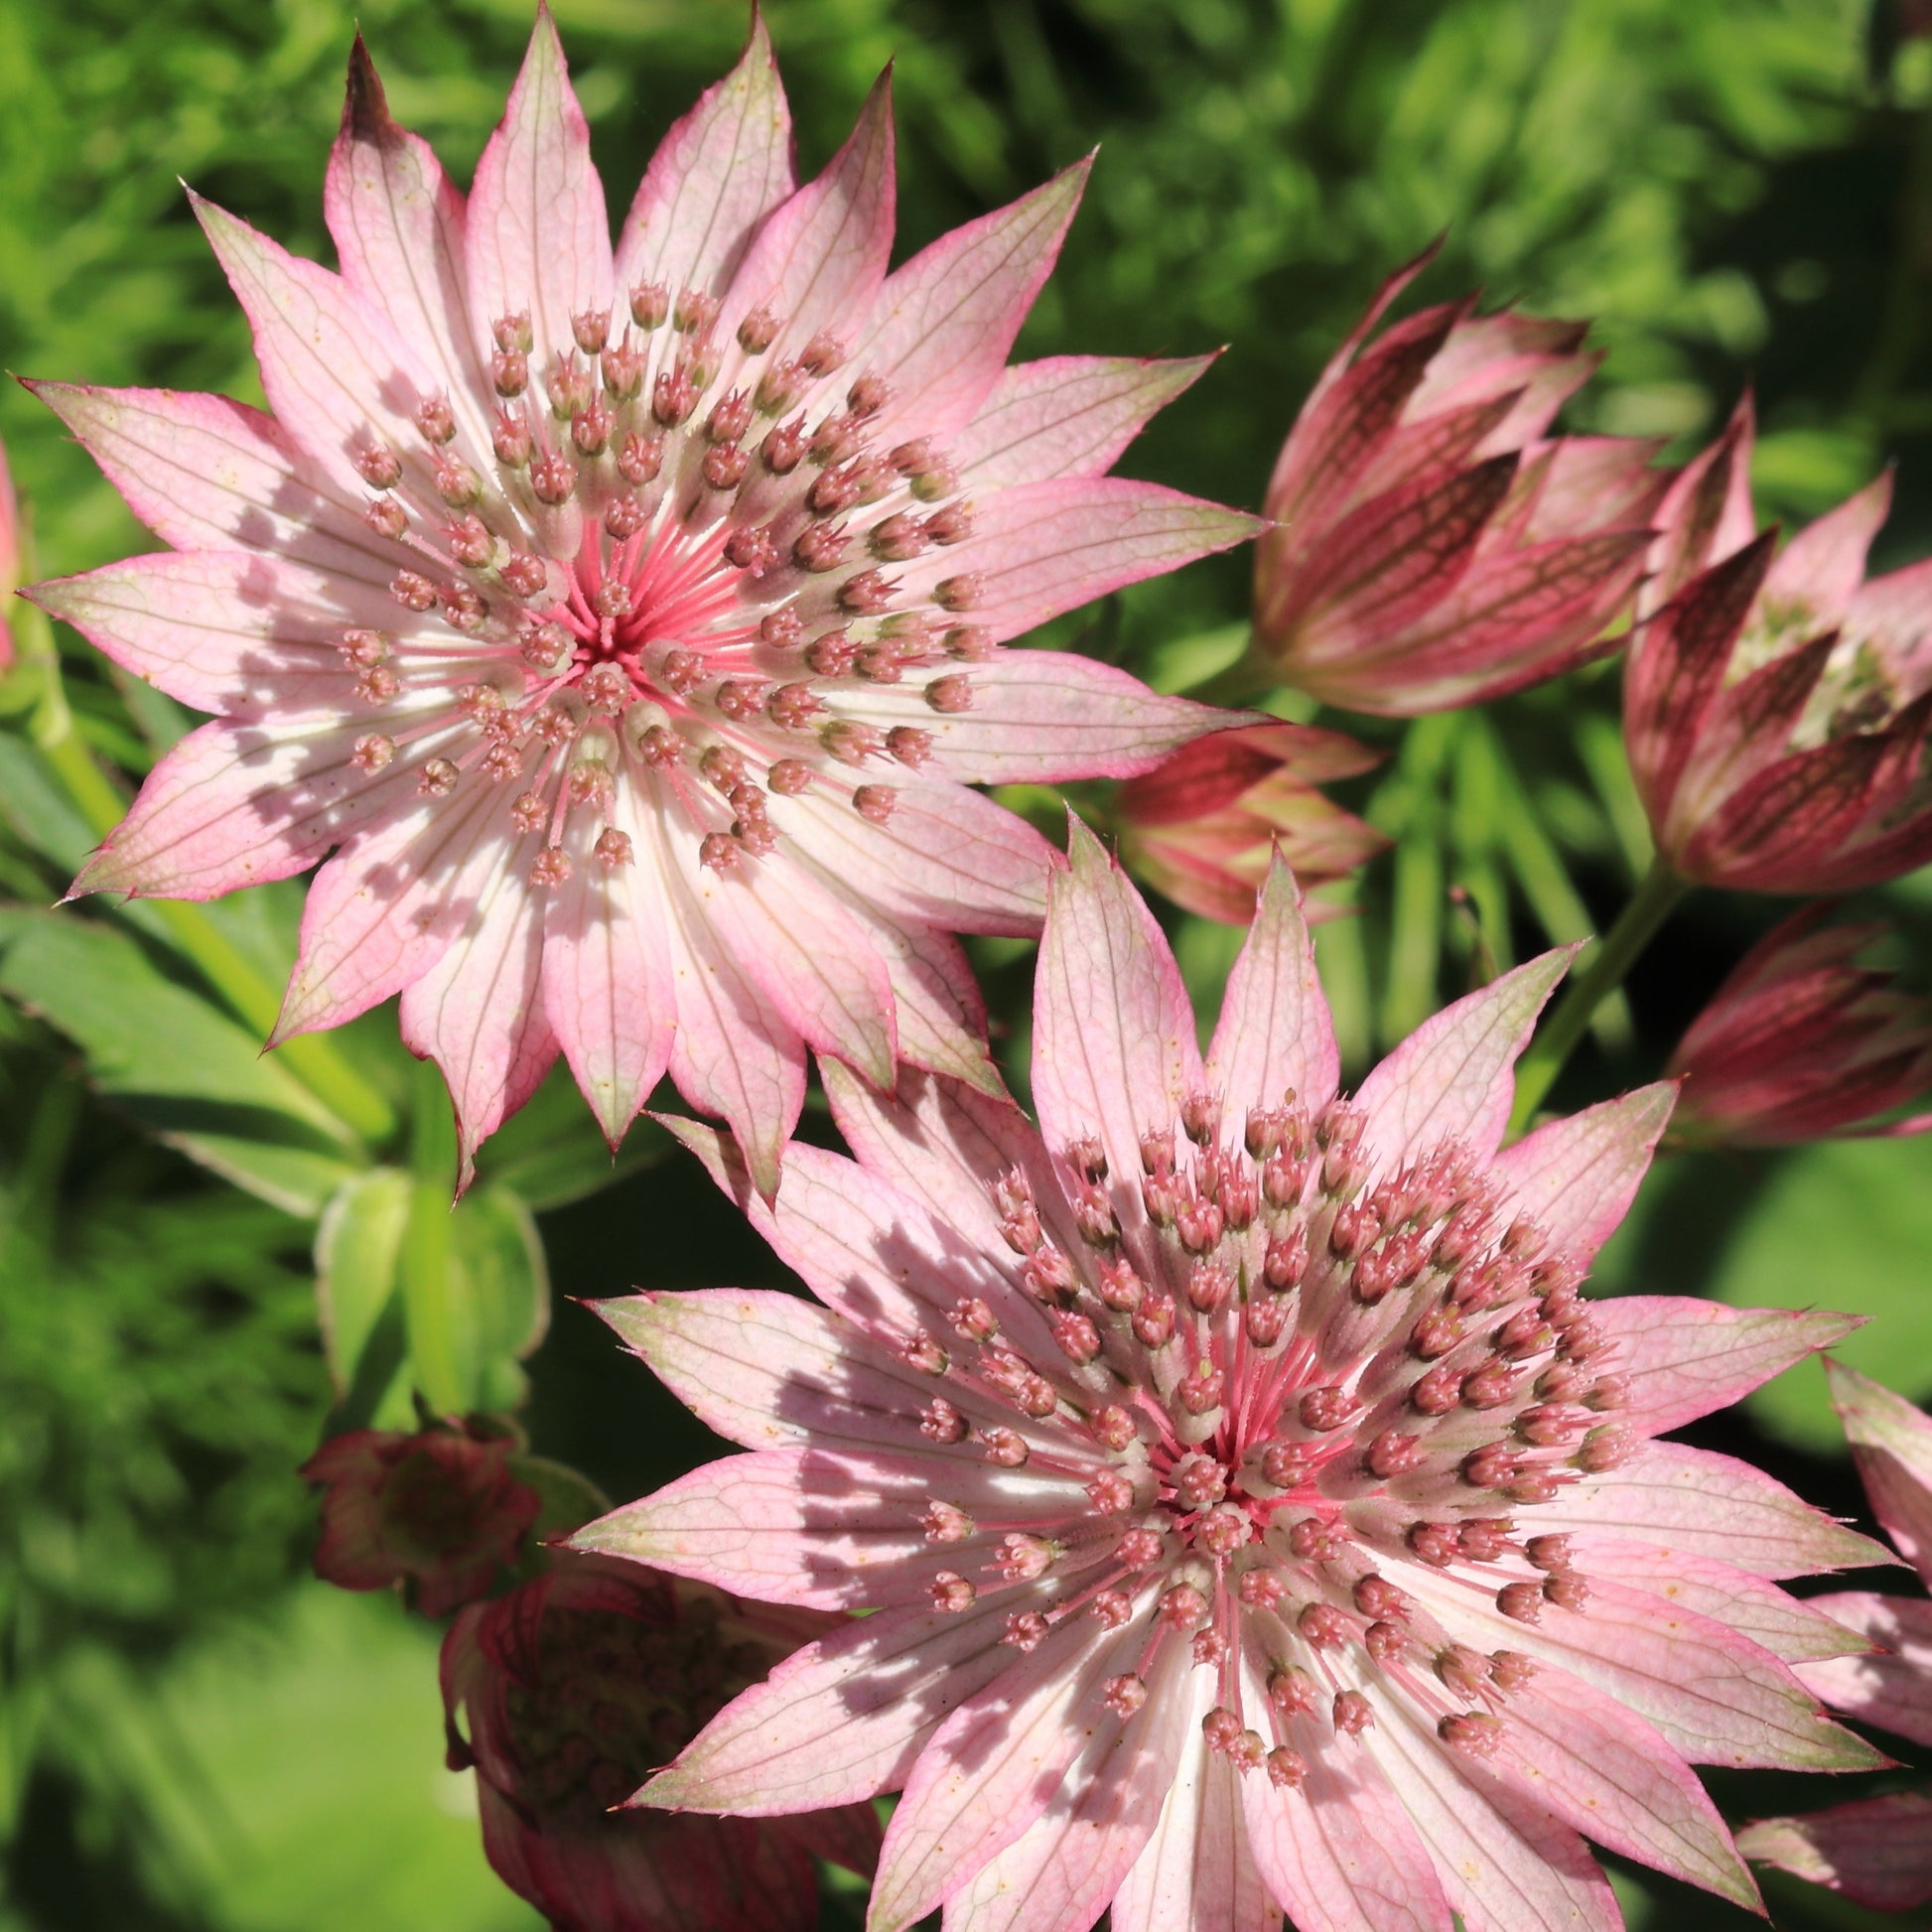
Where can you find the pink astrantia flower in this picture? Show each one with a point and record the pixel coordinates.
(632, 620)
(441, 1513)
(1202, 825)
(1877, 1851)
(577, 1685)
(1801, 1042)
(1252, 1516)
(1435, 546)
(1775, 708)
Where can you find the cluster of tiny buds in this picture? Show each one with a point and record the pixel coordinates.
(635, 419)
(1314, 1331)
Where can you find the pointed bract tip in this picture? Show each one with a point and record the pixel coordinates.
(365, 103)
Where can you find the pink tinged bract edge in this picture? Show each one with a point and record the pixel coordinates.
(1877, 1852)
(919, 1450)
(1891, 1443)
(371, 582)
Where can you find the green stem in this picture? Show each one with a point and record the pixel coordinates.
(426, 1271)
(314, 1061)
(1636, 925)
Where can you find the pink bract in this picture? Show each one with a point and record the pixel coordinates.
(1434, 545)
(1204, 825)
(1801, 1042)
(633, 622)
(1877, 1851)
(441, 1513)
(1776, 705)
(1253, 1515)
(574, 1686)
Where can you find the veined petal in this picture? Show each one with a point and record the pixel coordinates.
(1607, 1773)
(204, 472)
(937, 1011)
(230, 631)
(1891, 1443)
(1450, 1078)
(1114, 1049)
(825, 1528)
(732, 1053)
(946, 319)
(237, 805)
(539, 237)
(1821, 568)
(1877, 1852)
(1506, 1865)
(1061, 1875)
(1715, 1696)
(398, 225)
(1796, 1631)
(1341, 1851)
(820, 257)
(1890, 1687)
(1712, 1505)
(337, 376)
(1577, 1177)
(1274, 1036)
(944, 857)
(1044, 717)
(841, 1720)
(1041, 548)
(765, 1370)
(475, 1009)
(992, 1768)
(380, 914)
(945, 1145)
(608, 990)
(716, 177)
(1197, 1869)
(1683, 1356)
(1066, 416)
(866, 1249)
(812, 962)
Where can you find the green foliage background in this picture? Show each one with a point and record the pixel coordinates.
(193, 1737)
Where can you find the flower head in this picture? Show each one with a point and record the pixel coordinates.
(1877, 1851)
(1433, 546)
(1250, 1508)
(633, 622)
(1801, 1042)
(1776, 705)
(1202, 825)
(575, 1686)
(440, 1512)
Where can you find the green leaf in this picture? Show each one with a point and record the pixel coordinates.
(183, 1069)
(358, 1246)
(297, 1775)
(1843, 1224)
(477, 1299)
(500, 1294)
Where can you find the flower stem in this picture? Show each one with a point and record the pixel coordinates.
(1636, 925)
(315, 1061)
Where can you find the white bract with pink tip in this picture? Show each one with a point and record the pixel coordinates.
(1254, 1515)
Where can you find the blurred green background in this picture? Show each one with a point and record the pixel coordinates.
(192, 1734)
